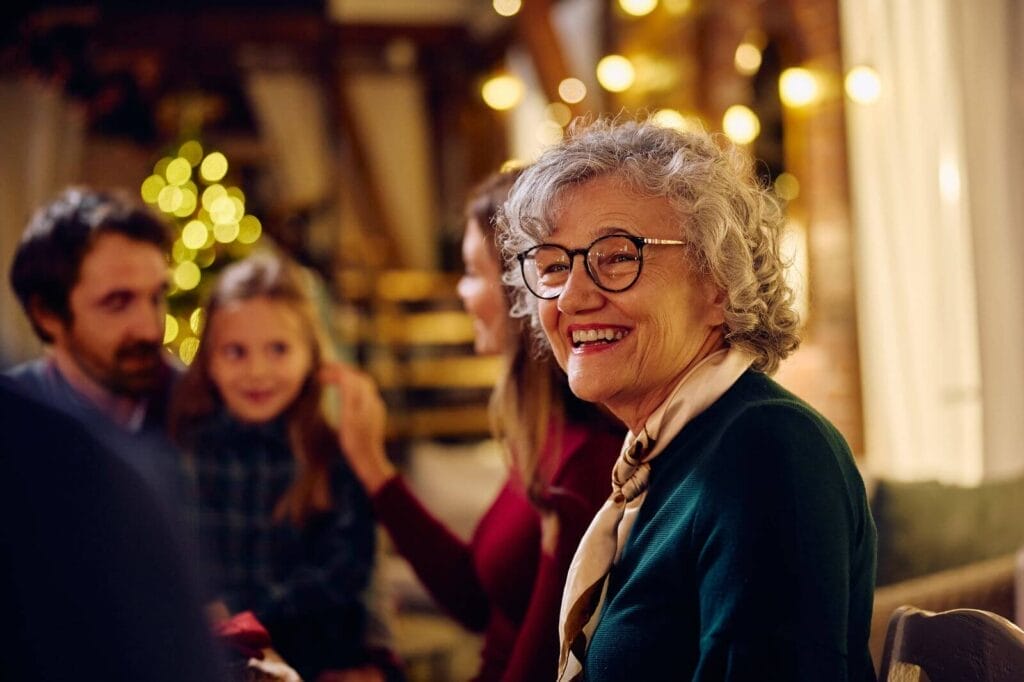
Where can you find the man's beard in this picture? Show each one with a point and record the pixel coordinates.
(136, 370)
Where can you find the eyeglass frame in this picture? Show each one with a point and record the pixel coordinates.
(639, 242)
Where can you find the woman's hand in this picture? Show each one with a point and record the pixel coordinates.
(362, 416)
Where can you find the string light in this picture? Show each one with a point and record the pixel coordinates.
(741, 124)
(863, 85)
(798, 87)
(507, 8)
(615, 73)
(638, 8)
(502, 92)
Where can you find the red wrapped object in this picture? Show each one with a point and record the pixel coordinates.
(243, 634)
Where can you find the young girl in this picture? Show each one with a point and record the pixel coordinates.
(287, 529)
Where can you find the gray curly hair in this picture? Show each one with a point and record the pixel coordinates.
(732, 225)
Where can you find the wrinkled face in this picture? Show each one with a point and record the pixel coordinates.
(481, 291)
(117, 307)
(627, 350)
(259, 357)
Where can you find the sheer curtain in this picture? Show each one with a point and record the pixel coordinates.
(937, 263)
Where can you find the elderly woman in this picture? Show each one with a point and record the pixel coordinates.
(737, 542)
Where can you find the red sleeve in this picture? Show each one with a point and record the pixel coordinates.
(578, 490)
(442, 561)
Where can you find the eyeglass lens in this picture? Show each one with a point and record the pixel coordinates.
(613, 262)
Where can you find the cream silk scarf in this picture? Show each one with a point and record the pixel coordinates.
(601, 544)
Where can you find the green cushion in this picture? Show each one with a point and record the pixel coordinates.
(927, 526)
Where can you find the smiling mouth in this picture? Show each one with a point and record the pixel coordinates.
(593, 337)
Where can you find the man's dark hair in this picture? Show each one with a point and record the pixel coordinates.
(47, 261)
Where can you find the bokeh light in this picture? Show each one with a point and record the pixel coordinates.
(787, 187)
(187, 275)
(188, 349)
(671, 118)
(549, 132)
(572, 90)
(507, 8)
(192, 151)
(211, 194)
(615, 73)
(863, 85)
(249, 229)
(502, 92)
(180, 252)
(170, 328)
(747, 59)
(151, 187)
(741, 124)
(188, 203)
(178, 171)
(638, 8)
(170, 198)
(194, 234)
(214, 167)
(559, 113)
(225, 233)
(677, 7)
(798, 87)
(195, 321)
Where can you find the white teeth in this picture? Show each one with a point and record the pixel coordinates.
(580, 336)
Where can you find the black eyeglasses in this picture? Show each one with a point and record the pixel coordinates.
(613, 262)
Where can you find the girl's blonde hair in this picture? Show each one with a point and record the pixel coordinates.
(312, 440)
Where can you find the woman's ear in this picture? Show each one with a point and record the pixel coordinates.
(715, 299)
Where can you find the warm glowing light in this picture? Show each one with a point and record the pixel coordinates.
(615, 73)
(638, 8)
(559, 113)
(180, 252)
(170, 328)
(249, 229)
(511, 165)
(741, 124)
(187, 275)
(798, 87)
(572, 90)
(787, 187)
(178, 171)
(194, 234)
(188, 349)
(188, 203)
(195, 321)
(214, 167)
(211, 194)
(863, 85)
(549, 132)
(507, 8)
(670, 118)
(949, 180)
(502, 92)
(161, 166)
(151, 187)
(237, 193)
(677, 7)
(225, 210)
(205, 258)
(170, 198)
(192, 151)
(747, 59)
(225, 233)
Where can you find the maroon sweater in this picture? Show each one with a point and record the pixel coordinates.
(501, 583)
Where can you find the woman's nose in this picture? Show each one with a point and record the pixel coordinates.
(580, 292)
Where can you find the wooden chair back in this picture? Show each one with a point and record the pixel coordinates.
(960, 645)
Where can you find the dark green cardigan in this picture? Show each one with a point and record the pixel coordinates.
(753, 556)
